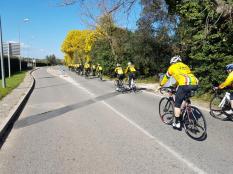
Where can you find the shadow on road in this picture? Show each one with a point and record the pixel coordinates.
(50, 86)
(46, 77)
(34, 119)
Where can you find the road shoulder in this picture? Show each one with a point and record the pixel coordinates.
(12, 105)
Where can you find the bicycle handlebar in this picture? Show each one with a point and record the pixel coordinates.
(169, 89)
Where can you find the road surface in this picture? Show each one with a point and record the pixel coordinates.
(75, 125)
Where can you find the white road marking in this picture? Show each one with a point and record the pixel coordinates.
(169, 149)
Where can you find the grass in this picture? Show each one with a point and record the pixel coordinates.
(11, 83)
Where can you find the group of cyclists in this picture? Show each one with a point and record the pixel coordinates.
(87, 69)
(120, 74)
(187, 82)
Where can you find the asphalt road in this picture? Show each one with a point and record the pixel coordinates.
(76, 125)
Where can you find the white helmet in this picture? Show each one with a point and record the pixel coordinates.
(118, 64)
(129, 63)
(175, 59)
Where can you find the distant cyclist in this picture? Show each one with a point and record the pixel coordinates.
(93, 67)
(99, 70)
(228, 83)
(87, 68)
(119, 74)
(130, 70)
(185, 81)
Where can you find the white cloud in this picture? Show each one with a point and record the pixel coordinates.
(12, 41)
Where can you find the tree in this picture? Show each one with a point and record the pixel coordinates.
(77, 45)
(51, 59)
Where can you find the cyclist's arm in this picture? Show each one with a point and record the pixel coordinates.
(166, 77)
(126, 70)
(226, 83)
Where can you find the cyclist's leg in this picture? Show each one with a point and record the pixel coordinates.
(118, 81)
(133, 77)
(179, 98)
(130, 78)
(187, 91)
(121, 78)
(231, 98)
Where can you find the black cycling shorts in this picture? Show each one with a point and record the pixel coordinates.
(132, 76)
(181, 93)
(120, 76)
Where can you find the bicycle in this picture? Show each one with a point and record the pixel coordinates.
(192, 119)
(220, 106)
(121, 85)
(87, 73)
(100, 75)
(133, 86)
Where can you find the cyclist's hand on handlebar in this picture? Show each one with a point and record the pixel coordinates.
(215, 88)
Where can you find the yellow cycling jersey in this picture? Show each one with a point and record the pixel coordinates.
(228, 82)
(181, 73)
(130, 68)
(119, 70)
(99, 68)
(86, 65)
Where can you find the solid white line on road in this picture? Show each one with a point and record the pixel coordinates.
(128, 120)
(169, 149)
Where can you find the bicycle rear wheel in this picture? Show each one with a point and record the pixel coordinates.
(215, 110)
(166, 110)
(194, 123)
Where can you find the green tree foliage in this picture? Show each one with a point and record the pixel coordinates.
(51, 59)
(206, 38)
(199, 30)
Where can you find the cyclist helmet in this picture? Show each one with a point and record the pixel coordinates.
(129, 63)
(175, 59)
(118, 64)
(229, 67)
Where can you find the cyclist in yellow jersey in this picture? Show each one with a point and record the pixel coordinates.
(99, 68)
(185, 81)
(87, 68)
(93, 67)
(99, 71)
(228, 83)
(119, 74)
(131, 71)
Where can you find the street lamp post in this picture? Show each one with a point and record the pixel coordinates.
(20, 66)
(2, 58)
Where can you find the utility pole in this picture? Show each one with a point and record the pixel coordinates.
(2, 59)
(9, 59)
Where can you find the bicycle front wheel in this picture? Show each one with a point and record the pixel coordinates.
(215, 110)
(194, 123)
(166, 110)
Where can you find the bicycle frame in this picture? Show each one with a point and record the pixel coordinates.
(224, 100)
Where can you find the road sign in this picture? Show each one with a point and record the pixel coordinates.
(14, 49)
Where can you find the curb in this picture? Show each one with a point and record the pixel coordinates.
(13, 115)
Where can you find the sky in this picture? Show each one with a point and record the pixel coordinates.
(48, 24)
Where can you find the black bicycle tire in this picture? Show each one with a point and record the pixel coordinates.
(162, 115)
(204, 133)
(222, 115)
